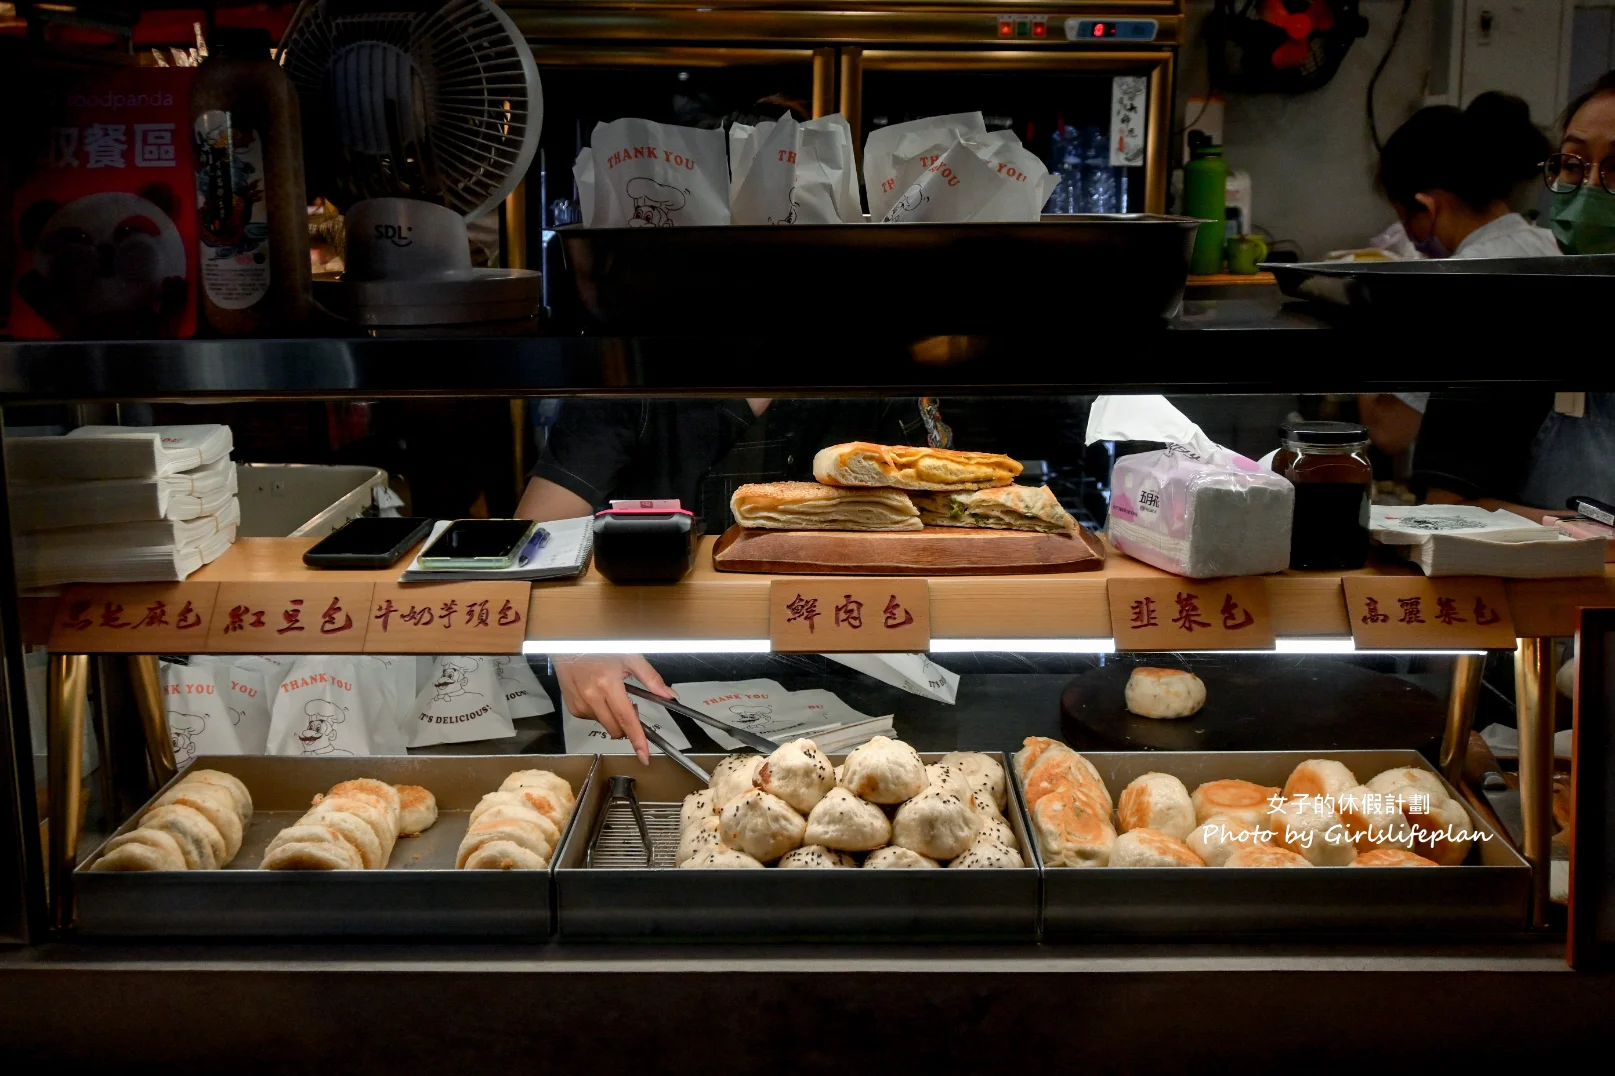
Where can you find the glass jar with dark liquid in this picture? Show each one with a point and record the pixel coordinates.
(1327, 462)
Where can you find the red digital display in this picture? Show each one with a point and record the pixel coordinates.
(1099, 29)
(1039, 29)
(1005, 28)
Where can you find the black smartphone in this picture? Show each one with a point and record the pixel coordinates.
(488, 544)
(367, 542)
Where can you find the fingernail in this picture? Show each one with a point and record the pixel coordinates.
(644, 756)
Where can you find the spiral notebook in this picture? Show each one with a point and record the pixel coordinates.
(564, 555)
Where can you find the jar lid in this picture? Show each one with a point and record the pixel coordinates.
(1324, 433)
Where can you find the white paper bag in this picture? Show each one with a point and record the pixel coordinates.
(787, 172)
(524, 695)
(583, 176)
(987, 177)
(768, 709)
(319, 710)
(656, 175)
(240, 682)
(199, 723)
(881, 162)
(584, 736)
(461, 703)
(914, 673)
(380, 682)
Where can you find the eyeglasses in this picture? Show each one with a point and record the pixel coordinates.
(1565, 172)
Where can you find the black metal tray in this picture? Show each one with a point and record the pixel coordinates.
(1121, 269)
(1463, 289)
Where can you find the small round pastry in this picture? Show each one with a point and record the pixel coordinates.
(1312, 831)
(732, 776)
(504, 856)
(1065, 768)
(797, 773)
(1164, 693)
(317, 847)
(513, 805)
(133, 857)
(551, 782)
(351, 828)
(384, 825)
(311, 856)
(1072, 830)
(811, 856)
(1392, 857)
(238, 790)
(935, 823)
(369, 786)
(995, 828)
(1221, 836)
(1265, 855)
(526, 834)
(1319, 777)
(1152, 848)
(893, 858)
(883, 771)
(1444, 832)
(417, 810)
(985, 774)
(1372, 821)
(216, 805)
(159, 841)
(697, 839)
(698, 806)
(722, 858)
(1423, 780)
(543, 800)
(846, 823)
(987, 855)
(1244, 800)
(1156, 801)
(949, 779)
(761, 825)
(199, 842)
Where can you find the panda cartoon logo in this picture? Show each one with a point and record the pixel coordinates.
(110, 264)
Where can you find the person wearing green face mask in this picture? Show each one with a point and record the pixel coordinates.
(1582, 174)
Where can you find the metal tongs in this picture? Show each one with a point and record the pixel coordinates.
(745, 736)
(673, 753)
(622, 788)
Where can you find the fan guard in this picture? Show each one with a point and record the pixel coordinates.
(441, 104)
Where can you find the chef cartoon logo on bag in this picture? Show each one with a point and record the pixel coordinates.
(183, 729)
(654, 203)
(752, 713)
(454, 679)
(318, 737)
(910, 202)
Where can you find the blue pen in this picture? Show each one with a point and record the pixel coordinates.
(534, 544)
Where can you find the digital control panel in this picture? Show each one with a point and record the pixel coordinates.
(1110, 30)
(1023, 26)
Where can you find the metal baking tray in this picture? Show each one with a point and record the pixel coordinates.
(1479, 287)
(912, 278)
(1491, 893)
(662, 903)
(419, 894)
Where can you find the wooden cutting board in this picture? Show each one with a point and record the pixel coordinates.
(932, 551)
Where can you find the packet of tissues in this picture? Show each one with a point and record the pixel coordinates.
(1193, 508)
(642, 174)
(785, 172)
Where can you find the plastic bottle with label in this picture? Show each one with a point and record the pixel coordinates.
(255, 277)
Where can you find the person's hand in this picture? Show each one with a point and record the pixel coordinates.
(591, 687)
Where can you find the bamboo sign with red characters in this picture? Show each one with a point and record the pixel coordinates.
(448, 618)
(289, 618)
(1169, 613)
(832, 615)
(1410, 612)
(134, 618)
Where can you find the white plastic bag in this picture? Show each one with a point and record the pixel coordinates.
(320, 710)
(524, 695)
(656, 175)
(462, 702)
(199, 723)
(888, 147)
(787, 172)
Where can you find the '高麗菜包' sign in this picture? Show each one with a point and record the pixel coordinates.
(1411, 612)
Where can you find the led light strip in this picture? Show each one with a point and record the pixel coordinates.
(1300, 645)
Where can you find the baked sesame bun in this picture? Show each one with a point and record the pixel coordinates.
(1264, 855)
(514, 805)
(1423, 780)
(217, 805)
(1164, 693)
(1313, 831)
(417, 810)
(141, 850)
(1156, 801)
(1066, 769)
(1072, 831)
(1220, 837)
(1372, 821)
(199, 843)
(1392, 857)
(504, 856)
(1319, 777)
(1032, 749)
(1244, 800)
(238, 791)
(1151, 848)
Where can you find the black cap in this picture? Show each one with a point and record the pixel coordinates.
(1324, 433)
(240, 42)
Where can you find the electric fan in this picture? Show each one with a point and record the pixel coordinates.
(1281, 46)
(417, 116)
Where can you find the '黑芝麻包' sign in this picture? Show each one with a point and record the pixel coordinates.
(831, 615)
(1169, 613)
(1411, 612)
(134, 618)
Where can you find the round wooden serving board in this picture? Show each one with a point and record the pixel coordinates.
(932, 551)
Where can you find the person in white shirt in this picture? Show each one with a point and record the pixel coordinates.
(1450, 173)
